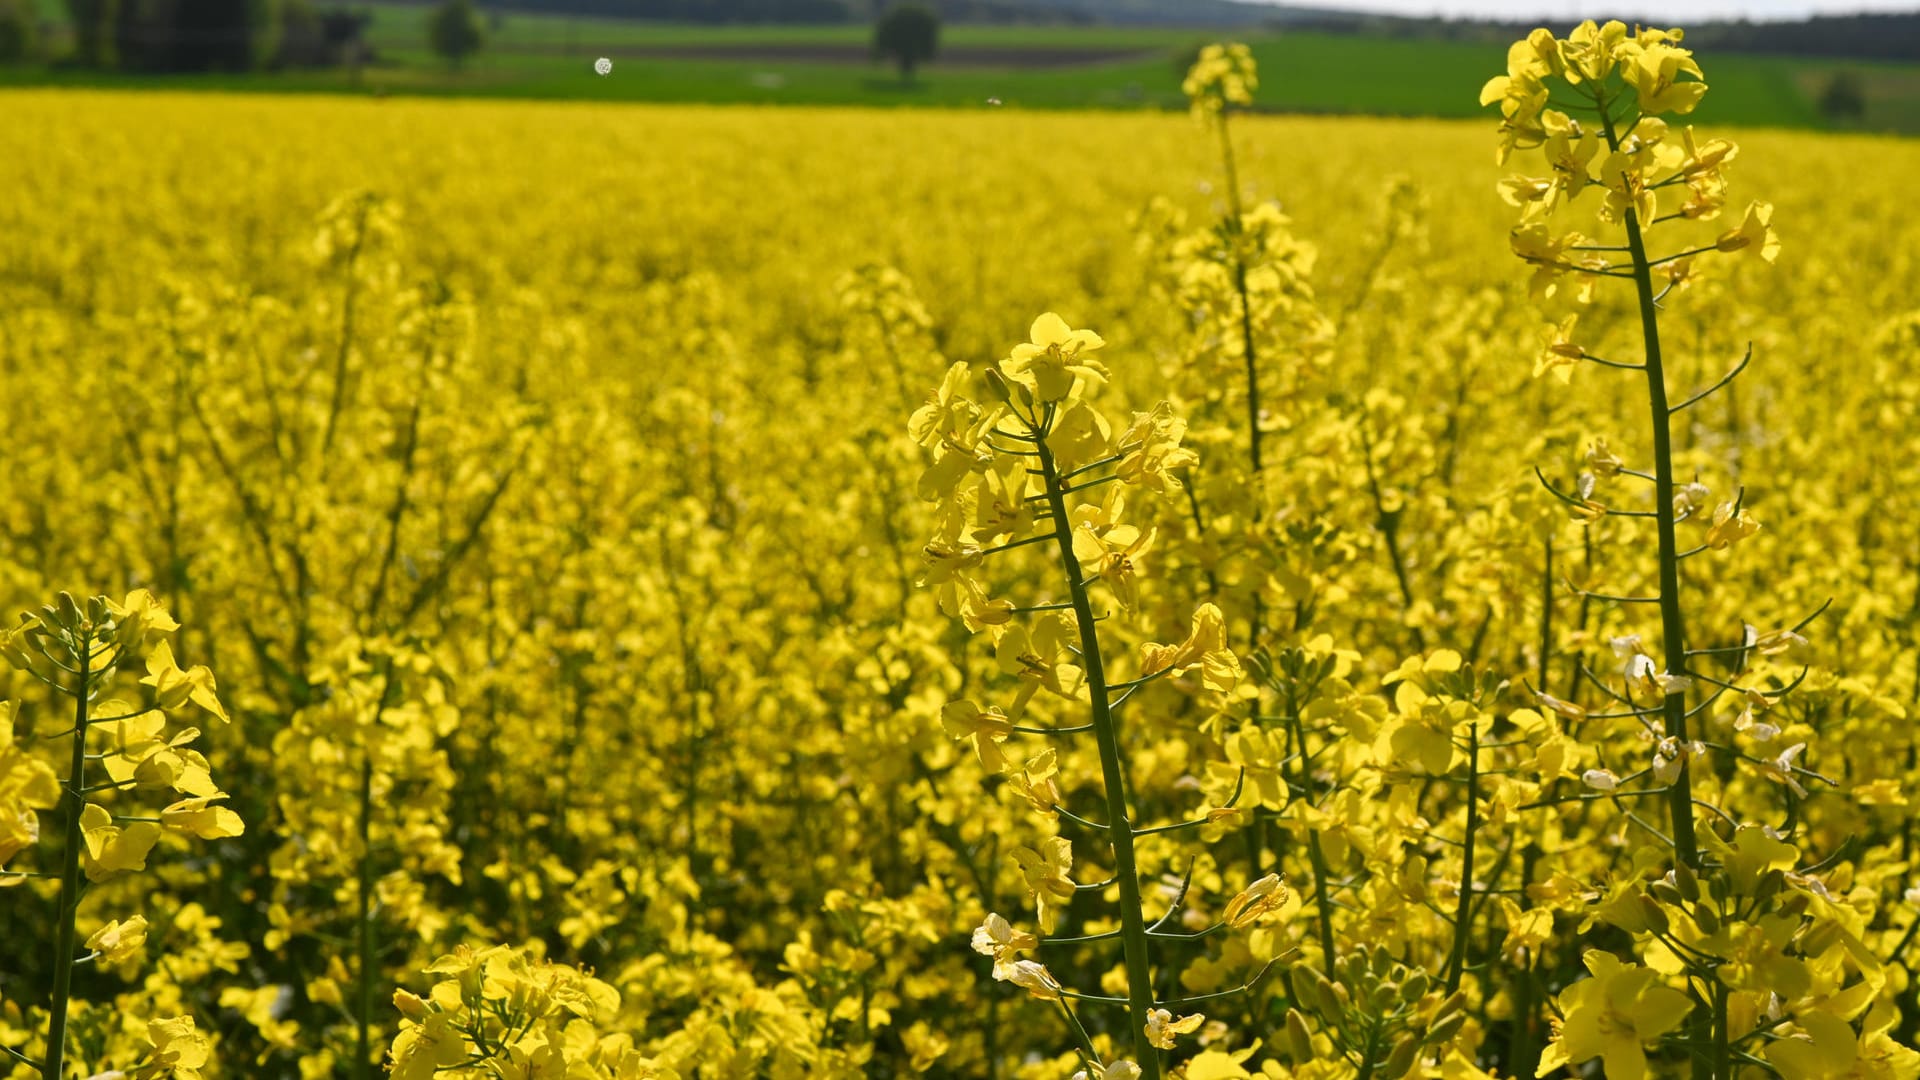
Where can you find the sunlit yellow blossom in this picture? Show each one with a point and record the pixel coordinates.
(1163, 1028)
(1250, 904)
(117, 941)
(1754, 233)
(1055, 358)
(1612, 1016)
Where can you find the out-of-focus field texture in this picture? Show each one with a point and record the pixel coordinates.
(572, 453)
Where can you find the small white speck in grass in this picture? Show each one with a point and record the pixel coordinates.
(993, 101)
(603, 66)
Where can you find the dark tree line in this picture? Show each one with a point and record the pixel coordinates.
(701, 11)
(1854, 37)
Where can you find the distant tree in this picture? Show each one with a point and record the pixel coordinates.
(18, 31)
(1844, 98)
(93, 26)
(907, 34)
(454, 30)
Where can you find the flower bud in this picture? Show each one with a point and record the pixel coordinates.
(1299, 1040)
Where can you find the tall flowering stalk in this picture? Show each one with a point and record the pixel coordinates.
(78, 650)
(1737, 917)
(1615, 88)
(1019, 451)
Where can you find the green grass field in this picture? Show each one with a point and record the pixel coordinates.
(545, 56)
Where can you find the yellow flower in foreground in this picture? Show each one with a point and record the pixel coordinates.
(178, 1050)
(1754, 234)
(27, 786)
(173, 687)
(1612, 1016)
(1050, 362)
(1048, 873)
(1730, 526)
(1162, 1028)
(1205, 648)
(996, 937)
(1831, 1051)
(1033, 977)
(1119, 1070)
(1255, 901)
(1561, 354)
(1654, 70)
(199, 817)
(112, 849)
(118, 941)
(1114, 558)
(986, 728)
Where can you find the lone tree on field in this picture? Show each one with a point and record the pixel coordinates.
(454, 30)
(907, 34)
(1843, 98)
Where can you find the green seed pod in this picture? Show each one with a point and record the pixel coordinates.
(1687, 882)
(1717, 887)
(1655, 915)
(1704, 917)
(1304, 994)
(998, 384)
(1331, 999)
(1400, 1062)
(1770, 885)
(1353, 967)
(1455, 1002)
(1299, 1040)
(1819, 938)
(1415, 987)
(1666, 894)
(1447, 1028)
(1384, 997)
(1382, 961)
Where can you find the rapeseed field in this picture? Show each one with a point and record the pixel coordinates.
(582, 591)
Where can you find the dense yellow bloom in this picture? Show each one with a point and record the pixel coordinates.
(1055, 359)
(27, 786)
(117, 941)
(1612, 1016)
(1222, 75)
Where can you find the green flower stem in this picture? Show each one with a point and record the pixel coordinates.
(64, 933)
(1322, 897)
(363, 1062)
(1673, 631)
(1463, 914)
(1133, 924)
(1236, 234)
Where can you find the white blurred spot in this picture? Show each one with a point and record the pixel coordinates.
(603, 66)
(993, 101)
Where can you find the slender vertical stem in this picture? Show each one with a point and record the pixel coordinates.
(1546, 617)
(1672, 624)
(1463, 913)
(1323, 904)
(1133, 925)
(363, 1066)
(1236, 237)
(1722, 1055)
(341, 356)
(64, 932)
